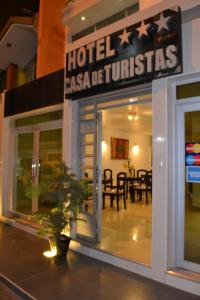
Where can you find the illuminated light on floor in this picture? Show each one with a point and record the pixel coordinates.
(50, 253)
(75, 245)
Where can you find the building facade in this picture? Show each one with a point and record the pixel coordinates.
(130, 103)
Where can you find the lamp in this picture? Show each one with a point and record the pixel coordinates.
(103, 146)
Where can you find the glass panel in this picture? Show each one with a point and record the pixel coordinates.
(188, 90)
(36, 119)
(120, 15)
(114, 18)
(192, 188)
(86, 117)
(87, 165)
(83, 33)
(127, 204)
(132, 9)
(131, 100)
(50, 154)
(23, 204)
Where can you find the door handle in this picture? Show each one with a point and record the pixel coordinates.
(35, 167)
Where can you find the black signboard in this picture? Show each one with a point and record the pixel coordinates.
(135, 54)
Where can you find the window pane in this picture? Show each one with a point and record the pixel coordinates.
(192, 192)
(24, 169)
(188, 90)
(50, 155)
(37, 119)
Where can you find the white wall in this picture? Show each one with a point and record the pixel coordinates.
(140, 161)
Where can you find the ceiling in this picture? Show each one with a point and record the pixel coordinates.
(117, 118)
(10, 8)
(18, 46)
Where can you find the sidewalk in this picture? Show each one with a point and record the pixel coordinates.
(78, 277)
(7, 294)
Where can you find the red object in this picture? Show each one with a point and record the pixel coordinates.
(189, 148)
(197, 160)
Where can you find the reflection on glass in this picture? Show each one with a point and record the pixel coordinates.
(23, 204)
(192, 195)
(50, 155)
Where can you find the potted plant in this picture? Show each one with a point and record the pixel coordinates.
(69, 193)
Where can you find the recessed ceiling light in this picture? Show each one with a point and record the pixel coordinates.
(133, 99)
(82, 18)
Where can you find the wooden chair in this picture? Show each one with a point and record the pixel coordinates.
(117, 192)
(141, 172)
(144, 186)
(135, 188)
(107, 179)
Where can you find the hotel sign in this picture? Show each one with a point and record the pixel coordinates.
(135, 54)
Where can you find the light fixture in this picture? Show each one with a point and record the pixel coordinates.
(133, 99)
(83, 18)
(135, 149)
(103, 146)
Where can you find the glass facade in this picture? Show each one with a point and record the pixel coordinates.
(192, 189)
(39, 150)
(110, 20)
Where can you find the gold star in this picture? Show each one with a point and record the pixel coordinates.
(124, 37)
(142, 29)
(162, 23)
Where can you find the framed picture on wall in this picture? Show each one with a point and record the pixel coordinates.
(119, 148)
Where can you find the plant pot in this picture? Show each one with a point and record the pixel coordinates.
(62, 245)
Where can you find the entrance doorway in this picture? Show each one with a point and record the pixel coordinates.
(38, 148)
(117, 136)
(127, 151)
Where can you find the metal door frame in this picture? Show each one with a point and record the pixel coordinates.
(100, 106)
(181, 108)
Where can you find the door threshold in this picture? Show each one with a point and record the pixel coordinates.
(97, 246)
(186, 274)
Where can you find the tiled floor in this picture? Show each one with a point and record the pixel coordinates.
(78, 277)
(127, 232)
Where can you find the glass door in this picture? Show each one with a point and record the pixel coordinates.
(25, 171)
(50, 155)
(189, 186)
(38, 151)
(90, 172)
